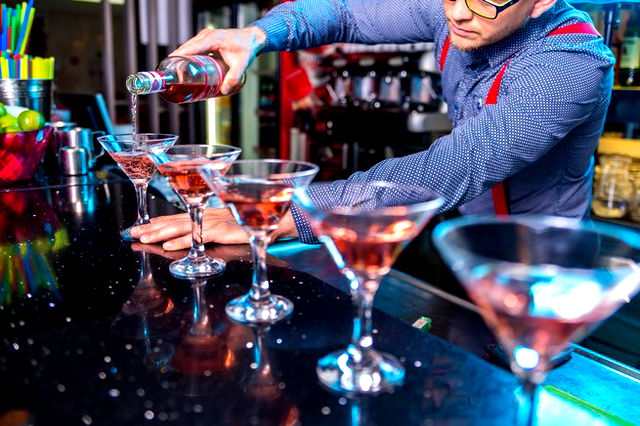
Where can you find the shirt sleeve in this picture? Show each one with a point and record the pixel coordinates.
(302, 24)
(539, 106)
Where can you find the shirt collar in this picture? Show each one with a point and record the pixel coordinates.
(498, 53)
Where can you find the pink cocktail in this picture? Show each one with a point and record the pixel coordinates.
(130, 152)
(365, 226)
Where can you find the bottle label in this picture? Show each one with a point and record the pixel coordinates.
(630, 53)
(157, 80)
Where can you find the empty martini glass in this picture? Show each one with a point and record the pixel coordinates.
(130, 153)
(259, 192)
(180, 166)
(365, 226)
(540, 283)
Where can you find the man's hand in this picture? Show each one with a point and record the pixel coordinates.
(238, 48)
(218, 226)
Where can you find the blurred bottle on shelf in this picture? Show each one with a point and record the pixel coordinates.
(630, 55)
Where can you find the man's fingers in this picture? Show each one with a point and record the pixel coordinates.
(170, 218)
(233, 79)
(155, 225)
(166, 232)
(178, 243)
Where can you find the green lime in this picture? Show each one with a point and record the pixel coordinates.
(30, 120)
(8, 120)
(3, 110)
(11, 129)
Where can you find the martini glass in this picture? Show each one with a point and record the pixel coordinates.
(180, 166)
(365, 226)
(540, 283)
(130, 153)
(259, 192)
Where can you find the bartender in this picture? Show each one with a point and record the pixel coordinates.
(527, 82)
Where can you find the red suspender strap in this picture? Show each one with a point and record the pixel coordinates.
(492, 96)
(499, 191)
(581, 28)
(445, 51)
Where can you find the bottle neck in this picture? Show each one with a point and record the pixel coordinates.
(147, 82)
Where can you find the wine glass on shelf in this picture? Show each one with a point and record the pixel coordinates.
(130, 153)
(258, 193)
(364, 226)
(540, 283)
(180, 166)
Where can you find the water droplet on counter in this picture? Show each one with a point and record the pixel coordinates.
(278, 341)
(249, 345)
(374, 331)
(198, 408)
(342, 400)
(253, 365)
(16, 346)
(326, 411)
(102, 375)
(418, 364)
(128, 346)
(86, 420)
(282, 385)
(67, 319)
(114, 393)
(107, 359)
(140, 392)
(61, 388)
(148, 415)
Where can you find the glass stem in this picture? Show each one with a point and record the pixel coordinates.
(259, 292)
(527, 404)
(196, 212)
(362, 336)
(200, 326)
(141, 195)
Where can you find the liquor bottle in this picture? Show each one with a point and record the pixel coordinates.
(183, 79)
(630, 56)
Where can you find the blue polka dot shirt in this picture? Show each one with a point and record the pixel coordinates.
(540, 135)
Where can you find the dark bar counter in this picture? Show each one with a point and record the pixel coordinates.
(95, 331)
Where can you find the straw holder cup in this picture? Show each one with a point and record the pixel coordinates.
(35, 94)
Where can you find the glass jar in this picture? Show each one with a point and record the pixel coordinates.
(614, 191)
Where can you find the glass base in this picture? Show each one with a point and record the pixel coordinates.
(245, 310)
(378, 372)
(187, 268)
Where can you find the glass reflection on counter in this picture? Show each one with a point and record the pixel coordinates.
(149, 311)
(29, 233)
(264, 401)
(204, 355)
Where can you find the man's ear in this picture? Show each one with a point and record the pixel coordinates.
(541, 6)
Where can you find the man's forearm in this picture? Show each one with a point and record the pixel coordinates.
(307, 23)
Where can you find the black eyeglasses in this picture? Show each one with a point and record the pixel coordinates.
(488, 9)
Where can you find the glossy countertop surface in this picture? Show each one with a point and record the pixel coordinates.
(95, 331)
